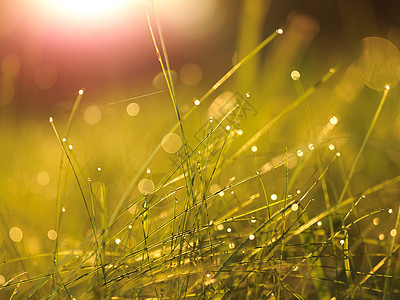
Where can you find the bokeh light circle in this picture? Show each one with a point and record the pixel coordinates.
(133, 109)
(146, 186)
(92, 115)
(52, 235)
(159, 80)
(171, 143)
(379, 63)
(191, 74)
(15, 234)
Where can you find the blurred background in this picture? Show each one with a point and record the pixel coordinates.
(51, 49)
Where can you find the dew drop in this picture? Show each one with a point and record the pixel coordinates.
(333, 120)
(295, 75)
(300, 153)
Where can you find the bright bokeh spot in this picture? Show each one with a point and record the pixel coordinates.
(300, 153)
(15, 234)
(171, 143)
(191, 74)
(333, 120)
(52, 235)
(295, 75)
(146, 186)
(159, 80)
(132, 109)
(92, 115)
(274, 197)
(393, 232)
(379, 63)
(2, 280)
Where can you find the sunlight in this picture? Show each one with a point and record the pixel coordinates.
(88, 7)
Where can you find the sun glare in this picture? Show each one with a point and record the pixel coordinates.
(88, 7)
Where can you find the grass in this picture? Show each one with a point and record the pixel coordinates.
(214, 218)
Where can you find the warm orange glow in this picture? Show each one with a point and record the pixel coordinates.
(87, 7)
